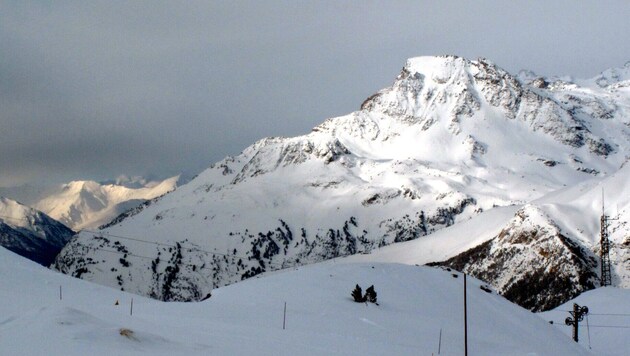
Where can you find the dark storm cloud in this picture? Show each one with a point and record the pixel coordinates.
(96, 89)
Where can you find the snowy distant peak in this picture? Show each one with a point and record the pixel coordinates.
(610, 80)
(614, 76)
(15, 214)
(88, 204)
(134, 182)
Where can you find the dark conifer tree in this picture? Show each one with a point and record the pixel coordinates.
(370, 295)
(357, 294)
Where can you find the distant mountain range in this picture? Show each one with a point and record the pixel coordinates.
(89, 204)
(451, 141)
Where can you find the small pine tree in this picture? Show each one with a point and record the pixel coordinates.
(357, 294)
(370, 295)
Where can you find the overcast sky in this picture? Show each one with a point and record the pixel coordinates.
(92, 90)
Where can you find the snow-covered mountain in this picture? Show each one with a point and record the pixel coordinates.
(549, 250)
(450, 139)
(31, 233)
(539, 254)
(89, 204)
(420, 311)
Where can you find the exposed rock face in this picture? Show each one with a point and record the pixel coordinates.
(531, 262)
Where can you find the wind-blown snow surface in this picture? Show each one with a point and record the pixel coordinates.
(450, 138)
(88, 204)
(31, 233)
(415, 303)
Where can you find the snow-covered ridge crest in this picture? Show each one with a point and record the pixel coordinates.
(429, 152)
(549, 251)
(16, 214)
(31, 233)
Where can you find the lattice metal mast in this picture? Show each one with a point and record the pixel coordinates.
(606, 278)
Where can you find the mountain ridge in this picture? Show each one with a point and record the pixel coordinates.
(450, 139)
(31, 233)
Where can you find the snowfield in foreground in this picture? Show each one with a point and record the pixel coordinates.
(246, 318)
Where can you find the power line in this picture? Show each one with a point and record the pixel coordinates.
(123, 253)
(152, 259)
(278, 265)
(128, 254)
(145, 257)
(611, 314)
(608, 314)
(175, 246)
(595, 326)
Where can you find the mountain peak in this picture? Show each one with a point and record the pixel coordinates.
(88, 204)
(614, 76)
(440, 69)
(14, 213)
(435, 64)
(80, 185)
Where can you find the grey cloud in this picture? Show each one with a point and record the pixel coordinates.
(97, 89)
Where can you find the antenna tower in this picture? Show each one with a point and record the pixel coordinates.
(606, 278)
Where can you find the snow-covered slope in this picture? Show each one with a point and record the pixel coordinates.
(451, 138)
(540, 254)
(548, 252)
(88, 204)
(606, 326)
(416, 306)
(31, 233)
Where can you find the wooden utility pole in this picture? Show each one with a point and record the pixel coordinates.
(465, 320)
